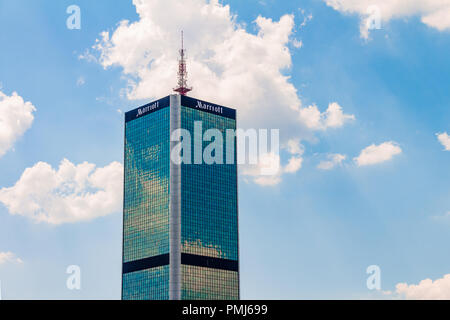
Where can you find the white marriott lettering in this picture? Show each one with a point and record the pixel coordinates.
(146, 109)
(209, 107)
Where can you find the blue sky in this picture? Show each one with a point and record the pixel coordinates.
(313, 232)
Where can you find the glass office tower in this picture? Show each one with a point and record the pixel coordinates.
(180, 221)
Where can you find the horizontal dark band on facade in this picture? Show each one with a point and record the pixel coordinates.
(186, 259)
(147, 263)
(209, 262)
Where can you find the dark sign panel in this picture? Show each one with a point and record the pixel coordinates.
(185, 102)
(208, 107)
(147, 109)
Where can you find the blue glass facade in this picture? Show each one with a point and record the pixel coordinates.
(208, 214)
(148, 284)
(146, 204)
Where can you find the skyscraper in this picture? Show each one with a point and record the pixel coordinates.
(180, 221)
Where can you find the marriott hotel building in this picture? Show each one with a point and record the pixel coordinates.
(180, 221)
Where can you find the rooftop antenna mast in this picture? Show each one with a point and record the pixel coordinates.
(182, 72)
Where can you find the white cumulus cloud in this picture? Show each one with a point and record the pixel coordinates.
(261, 175)
(16, 117)
(256, 172)
(69, 194)
(333, 161)
(226, 64)
(374, 154)
(333, 117)
(434, 13)
(426, 289)
(444, 139)
(9, 257)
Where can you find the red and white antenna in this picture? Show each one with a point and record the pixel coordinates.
(182, 72)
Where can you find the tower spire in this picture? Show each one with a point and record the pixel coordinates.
(182, 87)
